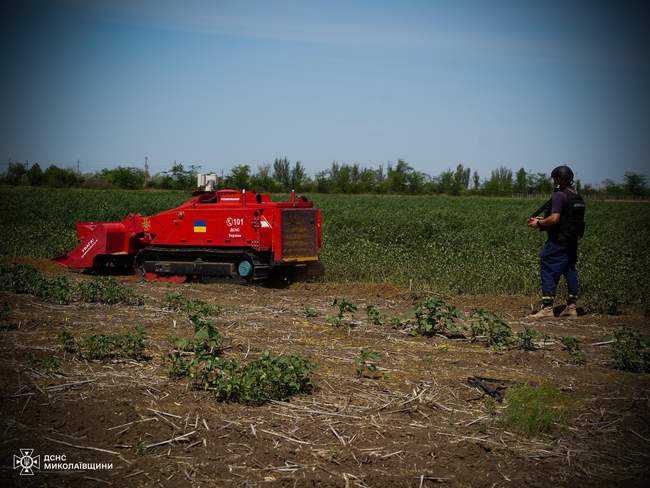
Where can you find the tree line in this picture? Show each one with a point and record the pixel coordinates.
(283, 176)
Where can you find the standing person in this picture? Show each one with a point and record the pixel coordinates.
(564, 224)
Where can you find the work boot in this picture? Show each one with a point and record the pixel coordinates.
(543, 313)
(570, 311)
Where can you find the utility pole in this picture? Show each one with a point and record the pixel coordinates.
(78, 167)
(146, 170)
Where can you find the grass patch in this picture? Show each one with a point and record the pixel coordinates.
(105, 289)
(177, 302)
(22, 278)
(119, 346)
(534, 410)
(572, 346)
(631, 351)
(46, 363)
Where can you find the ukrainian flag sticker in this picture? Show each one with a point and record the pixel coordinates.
(200, 226)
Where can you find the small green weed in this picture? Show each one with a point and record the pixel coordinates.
(631, 351)
(490, 406)
(179, 303)
(140, 448)
(493, 328)
(311, 312)
(572, 345)
(535, 409)
(105, 289)
(375, 317)
(44, 363)
(365, 362)
(130, 345)
(437, 316)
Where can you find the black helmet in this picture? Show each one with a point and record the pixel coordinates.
(564, 173)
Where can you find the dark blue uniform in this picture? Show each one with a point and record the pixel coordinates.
(559, 256)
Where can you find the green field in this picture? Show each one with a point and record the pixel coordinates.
(449, 245)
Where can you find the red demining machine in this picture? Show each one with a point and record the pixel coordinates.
(224, 234)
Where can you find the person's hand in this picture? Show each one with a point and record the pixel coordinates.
(533, 222)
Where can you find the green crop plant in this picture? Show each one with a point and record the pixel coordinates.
(493, 328)
(45, 363)
(533, 410)
(118, 346)
(365, 362)
(526, 339)
(105, 289)
(437, 316)
(21, 278)
(572, 346)
(267, 378)
(344, 306)
(375, 316)
(205, 345)
(177, 302)
(631, 351)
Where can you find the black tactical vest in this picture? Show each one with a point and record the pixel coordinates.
(572, 219)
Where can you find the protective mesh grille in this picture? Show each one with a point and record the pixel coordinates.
(298, 232)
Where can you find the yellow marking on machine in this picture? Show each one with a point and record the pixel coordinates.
(300, 259)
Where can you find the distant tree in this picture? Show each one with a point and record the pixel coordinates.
(323, 182)
(543, 183)
(35, 175)
(128, 178)
(298, 176)
(15, 173)
(500, 182)
(282, 173)
(262, 180)
(239, 177)
(476, 181)
(521, 181)
(635, 183)
(611, 187)
(461, 180)
(59, 177)
(397, 182)
(445, 182)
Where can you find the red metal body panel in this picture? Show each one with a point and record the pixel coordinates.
(225, 219)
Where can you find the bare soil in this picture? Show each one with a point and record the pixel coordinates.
(415, 423)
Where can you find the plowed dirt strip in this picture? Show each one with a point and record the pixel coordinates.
(416, 423)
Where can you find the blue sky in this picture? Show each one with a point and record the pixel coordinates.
(521, 84)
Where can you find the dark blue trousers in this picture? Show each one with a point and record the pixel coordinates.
(558, 260)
